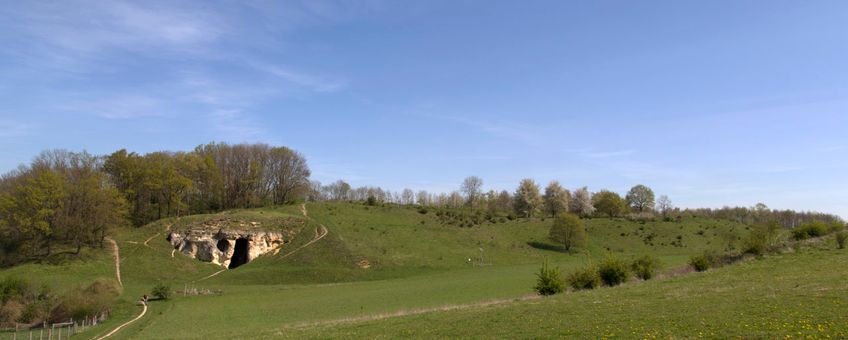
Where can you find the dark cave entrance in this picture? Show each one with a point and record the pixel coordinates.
(223, 245)
(239, 253)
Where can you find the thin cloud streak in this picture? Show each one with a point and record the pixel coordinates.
(126, 106)
(14, 129)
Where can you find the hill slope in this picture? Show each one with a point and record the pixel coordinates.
(374, 260)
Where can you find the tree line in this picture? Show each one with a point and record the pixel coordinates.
(529, 200)
(212, 177)
(71, 199)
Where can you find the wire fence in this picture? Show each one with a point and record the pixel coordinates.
(54, 331)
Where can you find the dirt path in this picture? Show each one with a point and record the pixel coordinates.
(213, 274)
(407, 312)
(143, 311)
(148, 240)
(320, 232)
(117, 253)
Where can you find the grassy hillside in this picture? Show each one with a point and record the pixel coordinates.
(375, 260)
(796, 295)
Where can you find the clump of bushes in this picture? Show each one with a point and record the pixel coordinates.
(161, 291)
(613, 271)
(704, 261)
(584, 278)
(641, 217)
(372, 201)
(761, 238)
(841, 237)
(645, 267)
(82, 302)
(699, 263)
(549, 280)
(810, 230)
(21, 301)
(569, 231)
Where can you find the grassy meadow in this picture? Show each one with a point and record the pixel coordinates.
(391, 260)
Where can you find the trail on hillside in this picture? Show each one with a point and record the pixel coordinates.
(148, 240)
(407, 312)
(117, 253)
(320, 232)
(213, 274)
(143, 311)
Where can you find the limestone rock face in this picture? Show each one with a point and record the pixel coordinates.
(219, 246)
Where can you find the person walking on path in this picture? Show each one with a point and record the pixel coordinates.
(144, 299)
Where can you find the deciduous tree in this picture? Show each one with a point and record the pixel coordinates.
(640, 198)
(581, 202)
(527, 200)
(556, 199)
(569, 231)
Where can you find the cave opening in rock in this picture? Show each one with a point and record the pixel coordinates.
(223, 245)
(239, 253)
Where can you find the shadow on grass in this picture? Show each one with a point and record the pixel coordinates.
(546, 246)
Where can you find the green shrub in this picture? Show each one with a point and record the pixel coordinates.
(613, 271)
(841, 237)
(12, 287)
(548, 280)
(699, 263)
(24, 302)
(569, 231)
(708, 259)
(811, 229)
(161, 291)
(761, 238)
(584, 278)
(646, 267)
(372, 201)
(81, 302)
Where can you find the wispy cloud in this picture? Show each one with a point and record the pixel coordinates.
(91, 27)
(236, 125)
(312, 82)
(513, 131)
(13, 129)
(121, 106)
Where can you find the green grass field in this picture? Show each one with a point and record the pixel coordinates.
(418, 266)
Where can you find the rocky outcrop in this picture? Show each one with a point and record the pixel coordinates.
(228, 248)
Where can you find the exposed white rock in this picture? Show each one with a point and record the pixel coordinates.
(219, 246)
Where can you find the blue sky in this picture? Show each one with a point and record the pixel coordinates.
(712, 103)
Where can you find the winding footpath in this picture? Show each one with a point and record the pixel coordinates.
(143, 311)
(116, 251)
(320, 232)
